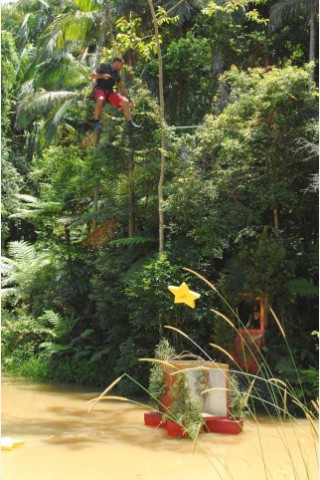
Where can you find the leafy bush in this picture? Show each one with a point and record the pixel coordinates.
(157, 385)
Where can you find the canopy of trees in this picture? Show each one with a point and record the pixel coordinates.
(85, 287)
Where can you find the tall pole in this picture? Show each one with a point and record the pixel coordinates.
(163, 131)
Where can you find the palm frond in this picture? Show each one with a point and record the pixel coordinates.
(26, 198)
(285, 10)
(36, 17)
(24, 29)
(31, 4)
(27, 88)
(47, 45)
(68, 27)
(26, 64)
(45, 4)
(35, 207)
(39, 104)
(183, 10)
(51, 125)
(88, 5)
(62, 71)
(77, 27)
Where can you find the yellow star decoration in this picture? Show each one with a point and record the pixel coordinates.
(183, 294)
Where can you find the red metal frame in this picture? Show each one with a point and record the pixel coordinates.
(249, 342)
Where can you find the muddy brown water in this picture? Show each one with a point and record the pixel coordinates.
(65, 442)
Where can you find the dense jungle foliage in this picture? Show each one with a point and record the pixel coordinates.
(240, 192)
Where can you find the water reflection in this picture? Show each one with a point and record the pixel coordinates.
(65, 442)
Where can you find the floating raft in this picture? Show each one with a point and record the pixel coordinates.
(213, 424)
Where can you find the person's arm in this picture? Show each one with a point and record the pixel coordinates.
(123, 91)
(98, 76)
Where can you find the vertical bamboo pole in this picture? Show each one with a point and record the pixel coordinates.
(163, 131)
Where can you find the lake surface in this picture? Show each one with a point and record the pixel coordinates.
(65, 442)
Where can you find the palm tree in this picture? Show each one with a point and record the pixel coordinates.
(27, 19)
(57, 75)
(284, 10)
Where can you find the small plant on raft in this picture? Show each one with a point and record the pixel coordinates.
(184, 410)
(157, 379)
(237, 399)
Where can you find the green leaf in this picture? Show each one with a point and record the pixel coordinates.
(100, 354)
(132, 241)
(303, 287)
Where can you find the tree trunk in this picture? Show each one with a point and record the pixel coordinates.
(67, 234)
(95, 206)
(106, 22)
(276, 221)
(130, 197)
(106, 16)
(109, 21)
(312, 45)
(163, 132)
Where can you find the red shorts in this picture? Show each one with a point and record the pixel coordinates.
(112, 97)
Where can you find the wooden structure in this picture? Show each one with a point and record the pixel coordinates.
(102, 234)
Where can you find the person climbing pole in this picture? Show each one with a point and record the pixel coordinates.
(106, 76)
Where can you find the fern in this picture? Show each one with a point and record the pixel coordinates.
(7, 292)
(86, 333)
(52, 318)
(313, 258)
(126, 242)
(51, 348)
(100, 355)
(22, 251)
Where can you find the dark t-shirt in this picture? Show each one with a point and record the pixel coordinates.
(108, 84)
